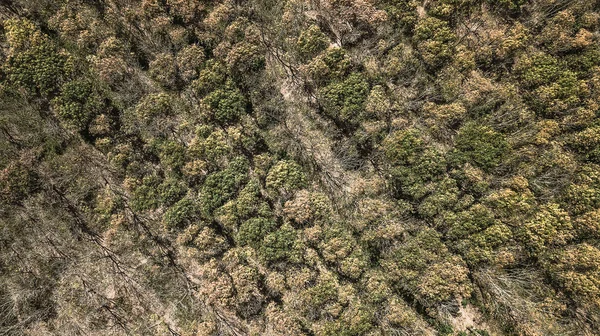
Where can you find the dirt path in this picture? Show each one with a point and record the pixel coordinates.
(309, 129)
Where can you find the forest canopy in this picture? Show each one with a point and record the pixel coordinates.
(293, 167)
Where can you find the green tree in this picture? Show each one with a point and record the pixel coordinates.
(144, 195)
(189, 60)
(402, 13)
(332, 64)
(481, 145)
(424, 267)
(583, 193)
(577, 269)
(281, 245)
(252, 231)
(311, 42)
(285, 177)
(211, 76)
(34, 62)
(78, 103)
(181, 214)
(477, 234)
(245, 58)
(163, 69)
(550, 227)
(308, 208)
(553, 87)
(172, 154)
(403, 147)
(170, 191)
(341, 249)
(512, 5)
(358, 320)
(221, 186)
(435, 41)
(226, 105)
(154, 105)
(345, 100)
